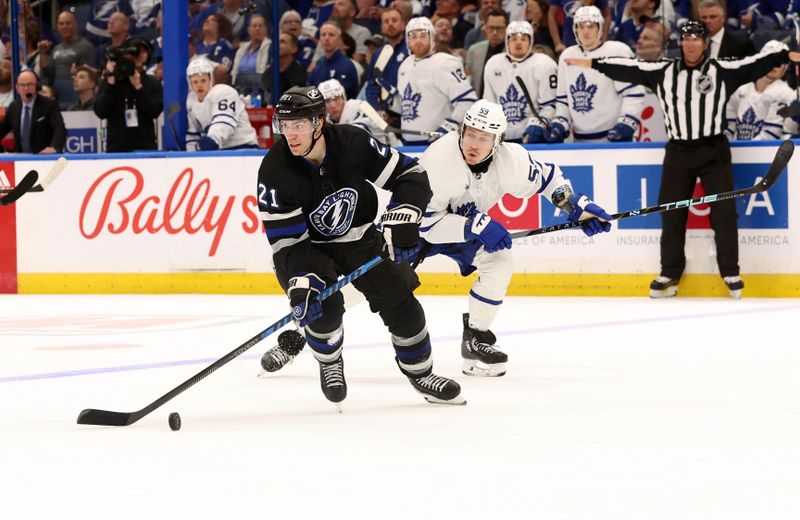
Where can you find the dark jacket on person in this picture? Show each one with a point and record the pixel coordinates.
(735, 44)
(47, 125)
(293, 76)
(112, 101)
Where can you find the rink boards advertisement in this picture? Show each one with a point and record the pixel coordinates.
(189, 223)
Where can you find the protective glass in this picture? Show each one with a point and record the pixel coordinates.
(292, 126)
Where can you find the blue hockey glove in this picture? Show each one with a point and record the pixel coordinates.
(303, 289)
(558, 132)
(622, 131)
(535, 132)
(491, 234)
(594, 218)
(207, 144)
(400, 225)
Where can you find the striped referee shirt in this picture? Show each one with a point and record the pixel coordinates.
(693, 99)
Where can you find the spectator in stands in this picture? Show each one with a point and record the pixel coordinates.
(48, 91)
(641, 11)
(444, 38)
(723, 43)
(292, 73)
(97, 27)
(251, 58)
(291, 23)
(118, 29)
(215, 44)
(393, 27)
(334, 63)
(232, 11)
(536, 15)
(131, 104)
(158, 42)
(344, 12)
(6, 92)
(348, 48)
(479, 53)
(652, 42)
(37, 57)
(84, 83)
(562, 34)
(476, 34)
(368, 14)
(320, 12)
(451, 10)
(35, 120)
(73, 50)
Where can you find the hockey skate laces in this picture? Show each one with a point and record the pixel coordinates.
(432, 382)
(280, 356)
(333, 374)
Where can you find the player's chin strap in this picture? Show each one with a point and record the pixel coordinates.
(313, 139)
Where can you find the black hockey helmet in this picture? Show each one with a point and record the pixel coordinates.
(693, 27)
(300, 103)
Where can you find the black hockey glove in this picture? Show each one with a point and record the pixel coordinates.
(303, 291)
(401, 232)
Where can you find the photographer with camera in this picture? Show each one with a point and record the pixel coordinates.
(128, 98)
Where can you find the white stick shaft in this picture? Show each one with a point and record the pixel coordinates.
(54, 172)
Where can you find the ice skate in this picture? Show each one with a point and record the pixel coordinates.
(438, 390)
(331, 378)
(663, 287)
(481, 358)
(735, 286)
(290, 343)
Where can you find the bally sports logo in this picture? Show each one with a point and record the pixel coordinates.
(115, 204)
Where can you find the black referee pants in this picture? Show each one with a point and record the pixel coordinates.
(710, 160)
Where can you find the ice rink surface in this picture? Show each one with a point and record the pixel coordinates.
(616, 409)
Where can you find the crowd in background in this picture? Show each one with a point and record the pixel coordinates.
(323, 39)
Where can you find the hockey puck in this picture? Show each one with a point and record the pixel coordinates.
(174, 421)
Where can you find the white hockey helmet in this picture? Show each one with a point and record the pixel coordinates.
(587, 13)
(332, 89)
(200, 65)
(488, 117)
(519, 27)
(421, 23)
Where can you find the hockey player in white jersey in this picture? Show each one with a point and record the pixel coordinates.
(434, 91)
(752, 111)
(539, 73)
(217, 115)
(596, 107)
(348, 111)
(456, 223)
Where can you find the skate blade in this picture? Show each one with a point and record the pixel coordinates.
(457, 400)
(669, 292)
(338, 407)
(737, 294)
(473, 367)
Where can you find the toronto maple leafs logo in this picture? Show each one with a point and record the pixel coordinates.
(334, 216)
(513, 105)
(466, 209)
(749, 125)
(582, 94)
(409, 103)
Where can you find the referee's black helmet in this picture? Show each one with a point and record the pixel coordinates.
(300, 103)
(693, 27)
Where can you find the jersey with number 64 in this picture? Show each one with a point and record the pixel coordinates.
(538, 72)
(221, 116)
(432, 91)
(457, 191)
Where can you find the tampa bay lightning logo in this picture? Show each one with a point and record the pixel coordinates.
(466, 209)
(582, 94)
(749, 125)
(334, 216)
(513, 105)
(409, 103)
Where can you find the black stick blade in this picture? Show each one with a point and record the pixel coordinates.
(104, 418)
(21, 188)
(779, 163)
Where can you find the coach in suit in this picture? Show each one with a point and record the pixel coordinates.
(35, 120)
(479, 53)
(723, 42)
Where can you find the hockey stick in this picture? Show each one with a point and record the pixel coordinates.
(782, 157)
(528, 98)
(380, 64)
(49, 178)
(173, 109)
(22, 187)
(376, 118)
(107, 418)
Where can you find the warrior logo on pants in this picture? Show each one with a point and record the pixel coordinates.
(334, 215)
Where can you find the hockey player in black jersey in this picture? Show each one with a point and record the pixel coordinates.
(318, 205)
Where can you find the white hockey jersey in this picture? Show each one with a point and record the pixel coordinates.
(753, 115)
(352, 115)
(221, 116)
(515, 9)
(457, 191)
(539, 73)
(591, 102)
(433, 90)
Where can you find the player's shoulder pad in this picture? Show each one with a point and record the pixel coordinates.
(540, 59)
(617, 49)
(444, 59)
(573, 51)
(222, 91)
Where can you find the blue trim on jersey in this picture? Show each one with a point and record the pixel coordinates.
(297, 229)
(633, 96)
(634, 118)
(425, 229)
(626, 88)
(484, 300)
(546, 182)
(223, 115)
(462, 97)
(219, 123)
(321, 346)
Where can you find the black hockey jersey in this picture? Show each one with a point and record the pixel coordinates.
(301, 204)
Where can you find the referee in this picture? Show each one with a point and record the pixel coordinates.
(693, 91)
